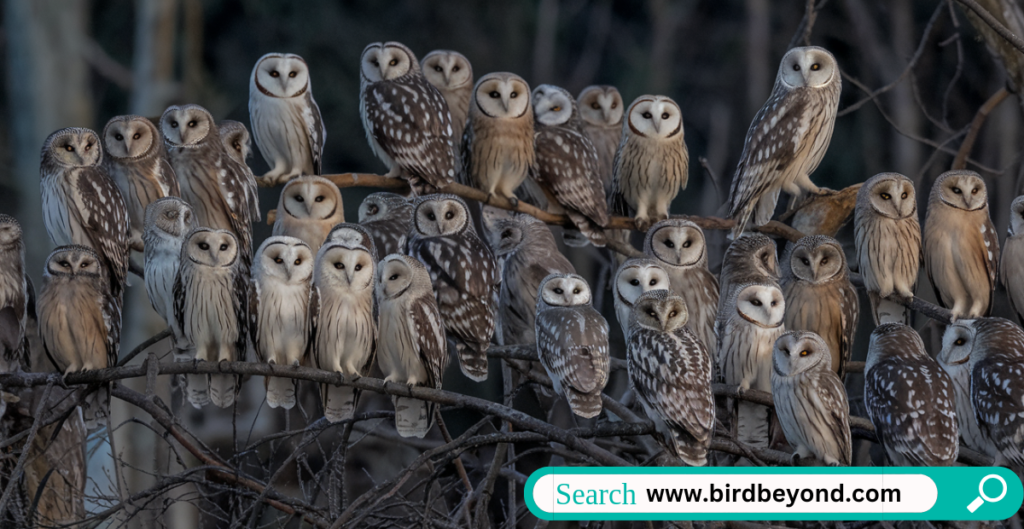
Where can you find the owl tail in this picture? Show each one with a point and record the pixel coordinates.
(280, 392)
(592, 232)
(688, 449)
(413, 417)
(339, 402)
(96, 407)
(472, 360)
(886, 311)
(223, 389)
(586, 405)
(198, 390)
(752, 424)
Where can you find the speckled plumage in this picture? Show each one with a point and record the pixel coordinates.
(388, 218)
(997, 367)
(958, 344)
(751, 258)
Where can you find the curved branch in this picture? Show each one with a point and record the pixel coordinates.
(994, 24)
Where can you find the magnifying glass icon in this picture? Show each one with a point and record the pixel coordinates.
(982, 498)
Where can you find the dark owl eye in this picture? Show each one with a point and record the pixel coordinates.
(171, 214)
(298, 262)
(299, 198)
(595, 106)
(506, 234)
(775, 303)
(278, 260)
(807, 262)
(455, 68)
(669, 244)
(438, 69)
(494, 94)
(375, 62)
(223, 247)
(815, 67)
(615, 105)
(319, 198)
(339, 266)
(275, 73)
(957, 190)
(575, 291)
(824, 260)
(204, 246)
(292, 74)
(192, 124)
(431, 216)
(69, 148)
(646, 115)
(653, 282)
(449, 215)
(393, 62)
(634, 282)
(959, 341)
(687, 244)
(756, 302)
(805, 352)
(974, 191)
(118, 137)
(359, 267)
(65, 264)
(84, 264)
(513, 95)
(672, 314)
(796, 67)
(904, 195)
(174, 124)
(392, 278)
(136, 136)
(559, 291)
(88, 146)
(372, 210)
(886, 196)
(664, 115)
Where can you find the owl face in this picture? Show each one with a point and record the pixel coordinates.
(438, 215)
(171, 215)
(817, 262)
(129, 137)
(552, 105)
(655, 117)
(798, 352)
(447, 69)
(74, 147)
(386, 61)
(637, 276)
(810, 67)
(506, 237)
(395, 276)
(186, 125)
(380, 206)
(656, 310)
(962, 190)
(285, 258)
(310, 197)
(502, 95)
(10, 232)
(564, 290)
(601, 105)
(235, 138)
(892, 195)
(344, 265)
(957, 343)
(678, 243)
(762, 305)
(214, 248)
(74, 261)
(281, 75)
(1017, 216)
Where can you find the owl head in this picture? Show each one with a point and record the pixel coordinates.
(677, 242)
(341, 265)
(601, 105)
(978, 339)
(170, 215)
(660, 311)
(815, 259)
(957, 343)
(187, 126)
(440, 214)
(209, 247)
(961, 190)
(890, 195)
(398, 275)
(10, 233)
(893, 340)
(74, 262)
(502, 95)
(506, 235)
(563, 290)
(383, 206)
(447, 69)
(387, 61)
(280, 75)
(752, 254)
(1017, 216)
(636, 276)
(130, 138)
(798, 352)
(760, 303)
(553, 105)
(353, 236)
(235, 138)
(310, 197)
(73, 147)
(808, 67)
(657, 117)
(285, 259)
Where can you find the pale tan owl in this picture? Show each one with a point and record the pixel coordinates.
(601, 112)
(961, 247)
(888, 237)
(652, 163)
(308, 208)
(452, 74)
(1012, 269)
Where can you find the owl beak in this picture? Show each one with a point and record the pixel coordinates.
(504, 102)
(657, 123)
(606, 114)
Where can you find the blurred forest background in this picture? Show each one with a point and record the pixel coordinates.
(915, 73)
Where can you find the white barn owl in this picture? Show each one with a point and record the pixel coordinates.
(634, 277)
(168, 221)
(308, 208)
(452, 74)
(601, 111)
(1012, 268)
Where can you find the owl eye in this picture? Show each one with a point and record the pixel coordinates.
(494, 94)
(84, 264)
(174, 124)
(796, 67)
(669, 244)
(959, 341)
(438, 69)
(815, 67)
(299, 198)
(556, 108)
(223, 247)
(514, 95)
(615, 105)
(171, 214)
(275, 74)
(653, 282)
(634, 282)
(774, 303)
(292, 74)
(392, 62)
(904, 195)
(204, 246)
(359, 267)
(455, 68)
(372, 210)
(449, 216)
(652, 314)
(192, 124)
(118, 137)
(375, 62)
(89, 146)
(595, 106)
(339, 266)
(136, 136)
(506, 234)
(559, 291)
(687, 244)
(319, 198)
(957, 191)
(805, 352)
(278, 260)
(646, 115)
(69, 148)
(65, 264)
(664, 115)
(672, 314)
(392, 278)
(807, 262)
(431, 216)
(974, 191)
(886, 196)
(824, 260)
(756, 302)
(575, 291)
(298, 262)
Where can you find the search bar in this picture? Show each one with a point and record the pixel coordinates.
(868, 493)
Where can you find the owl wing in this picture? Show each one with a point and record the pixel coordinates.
(100, 207)
(316, 131)
(314, 319)
(465, 264)
(239, 192)
(178, 291)
(832, 399)
(567, 166)
(998, 401)
(850, 310)
(574, 343)
(240, 300)
(991, 259)
(425, 321)
(463, 174)
(167, 179)
(254, 319)
(112, 319)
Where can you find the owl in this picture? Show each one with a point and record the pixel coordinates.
(572, 342)
(411, 343)
(463, 272)
(1012, 270)
(670, 372)
(601, 112)
(820, 297)
(13, 299)
(749, 322)
(353, 235)
(959, 343)
(497, 149)
(636, 276)
(810, 399)
(235, 138)
(210, 302)
(79, 318)
(888, 238)
(961, 247)
(285, 119)
(135, 161)
(567, 163)
(910, 399)
(406, 119)
(388, 218)
(221, 191)
(652, 162)
(751, 258)
(680, 248)
(450, 72)
(529, 254)
(788, 137)
(81, 203)
(280, 313)
(345, 330)
(996, 359)
(309, 206)
(168, 221)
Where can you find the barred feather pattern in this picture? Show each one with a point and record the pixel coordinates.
(997, 366)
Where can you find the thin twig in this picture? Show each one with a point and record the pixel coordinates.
(994, 24)
(960, 161)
